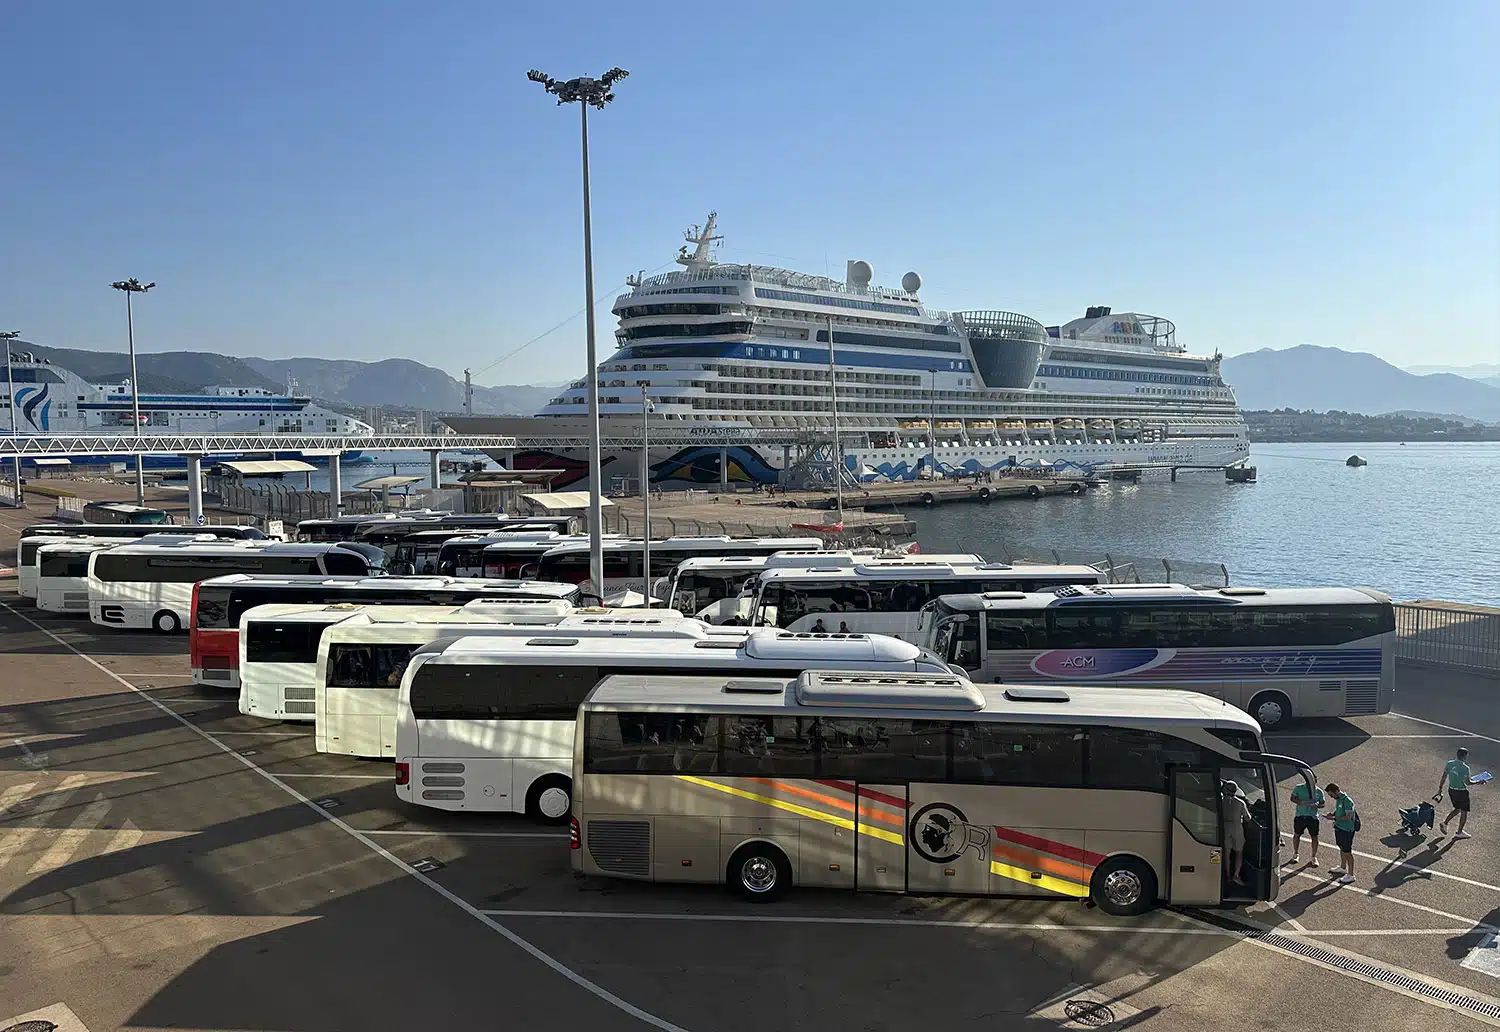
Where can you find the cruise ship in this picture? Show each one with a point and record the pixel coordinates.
(742, 351)
(53, 400)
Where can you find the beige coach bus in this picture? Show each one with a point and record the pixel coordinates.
(925, 784)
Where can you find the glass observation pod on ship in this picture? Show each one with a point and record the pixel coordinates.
(62, 573)
(714, 590)
(487, 723)
(886, 596)
(1277, 653)
(623, 559)
(38, 534)
(361, 658)
(924, 784)
(220, 602)
(137, 585)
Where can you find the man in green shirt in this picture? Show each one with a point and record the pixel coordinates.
(1456, 776)
(1307, 805)
(1345, 819)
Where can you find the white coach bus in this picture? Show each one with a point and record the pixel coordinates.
(62, 573)
(486, 723)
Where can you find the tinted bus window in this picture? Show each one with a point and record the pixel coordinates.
(68, 564)
(1018, 754)
(283, 642)
(367, 666)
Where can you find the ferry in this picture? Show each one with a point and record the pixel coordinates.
(742, 352)
(53, 400)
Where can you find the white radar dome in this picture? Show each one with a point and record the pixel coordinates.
(911, 283)
(860, 274)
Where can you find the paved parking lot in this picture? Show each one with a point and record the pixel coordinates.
(166, 862)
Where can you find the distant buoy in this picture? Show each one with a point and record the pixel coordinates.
(1355, 460)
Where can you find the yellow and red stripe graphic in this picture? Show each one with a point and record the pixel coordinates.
(869, 816)
(1045, 863)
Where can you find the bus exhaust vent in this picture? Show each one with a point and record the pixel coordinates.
(1458, 1000)
(621, 847)
(1361, 696)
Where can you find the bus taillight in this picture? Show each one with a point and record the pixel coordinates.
(403, 773)
(573, 833)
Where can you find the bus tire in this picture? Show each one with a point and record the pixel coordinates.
(927, 498)
(1123, 886)
(166, 622)
(1077, 489)
(759, 872)
(1271, 710)
(1033, 492)
(550, 799)
(984, 494)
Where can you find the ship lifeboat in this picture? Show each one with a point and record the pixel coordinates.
(1070, 425)
(982, 424)
(1101, 426)
(950, 425)
(914, 424)
(1128, 426)
(1040, 426)
(1013, 426)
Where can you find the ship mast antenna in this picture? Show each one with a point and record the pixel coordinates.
(703, 240)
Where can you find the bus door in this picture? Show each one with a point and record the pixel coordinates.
(1195, 852)
(880, 838)
(1260, 867)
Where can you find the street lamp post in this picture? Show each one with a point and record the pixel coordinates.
(932, 425)
(7, 336)
(646, 488)
(838, 447)
(134, 286)
(587, 92)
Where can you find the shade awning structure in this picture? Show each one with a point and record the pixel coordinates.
(266, 467)
(53, 462)
(386, 483)
(560, 500)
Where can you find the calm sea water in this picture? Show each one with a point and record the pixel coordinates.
(1420, 521)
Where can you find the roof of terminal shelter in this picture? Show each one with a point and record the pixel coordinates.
(489, 477)
(559, 501)
(53, 462)
(261, 467)
(386, 483)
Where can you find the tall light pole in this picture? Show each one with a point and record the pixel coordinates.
(588, 92)
(134, 286)
(838, 448)
(932, 424)
(646, 408)
(7, 336)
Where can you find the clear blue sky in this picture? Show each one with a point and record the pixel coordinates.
(372, 180)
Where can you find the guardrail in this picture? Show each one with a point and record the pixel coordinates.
(1449, 634)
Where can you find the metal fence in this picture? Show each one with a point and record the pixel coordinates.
(1448, 634)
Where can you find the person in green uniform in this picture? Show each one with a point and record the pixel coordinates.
(1308, 802)
(1345, 821)
(1456, 775)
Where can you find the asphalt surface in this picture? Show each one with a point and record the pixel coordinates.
(168, 863)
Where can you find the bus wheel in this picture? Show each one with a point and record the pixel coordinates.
(166, 622)
(550, 799)
(759, 872)
(1123, 886)
(1271, 710)
(1033, 492)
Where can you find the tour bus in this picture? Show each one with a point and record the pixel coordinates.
(124, 512)
(518, 557)
(38, 534)
(1276, 653)
(486, 723)
(388, 533)
(62, 573)
(219, 603)
(361, 660)
(923, 784)
(136, 586)
(886, 596)
(422, 550)
(623, 558)
(465, 556)
(712, 589)
(280, 644)
(335, 528)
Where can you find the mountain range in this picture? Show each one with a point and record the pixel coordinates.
(1323, 379)
(1306, 377)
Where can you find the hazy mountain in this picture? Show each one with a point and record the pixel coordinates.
(1318, 378)
(1483, 371)
(162, 372)
(400, 381)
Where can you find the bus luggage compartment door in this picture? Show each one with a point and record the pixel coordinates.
(1195, 856)
(948, 847)
(880, 839)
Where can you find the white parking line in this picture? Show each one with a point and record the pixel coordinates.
(1446, 727)
(267, 734)
(884, 922)
(1362, 737)
(1373, 894)
(349, 777)
(519, 942)
(1418, 867)
(479, 834)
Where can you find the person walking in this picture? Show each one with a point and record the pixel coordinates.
(1308, 802)
(1236, 816)
(1345, 823)
(1456, 773)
